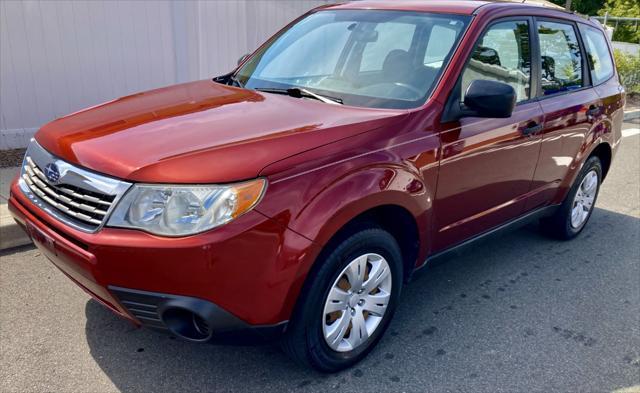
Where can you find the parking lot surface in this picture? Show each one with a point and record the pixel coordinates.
(523, 313)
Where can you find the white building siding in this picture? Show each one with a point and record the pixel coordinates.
(627, 47)
(57, 57)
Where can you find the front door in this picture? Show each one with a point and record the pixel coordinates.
(487, 165)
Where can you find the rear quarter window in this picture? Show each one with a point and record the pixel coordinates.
(600, 62)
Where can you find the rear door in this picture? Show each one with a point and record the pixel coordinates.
(603, 78)
(570, 104)
(487, 164)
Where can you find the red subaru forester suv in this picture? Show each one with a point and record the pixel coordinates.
(293, 197)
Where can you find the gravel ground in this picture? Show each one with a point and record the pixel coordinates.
(520, 314)
(11, 158)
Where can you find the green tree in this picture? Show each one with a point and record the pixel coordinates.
(585, 7)
(589, 7)
(625, 31)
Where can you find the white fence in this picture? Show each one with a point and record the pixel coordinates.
(57, 57)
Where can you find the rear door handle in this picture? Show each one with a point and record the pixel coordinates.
(593, 111)
(532, 128)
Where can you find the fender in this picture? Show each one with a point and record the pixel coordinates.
(330, 206)
(361, 191)
(600, 133)
(328, 202)
(339, 181)
(396, 164)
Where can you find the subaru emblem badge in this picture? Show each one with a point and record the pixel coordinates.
(51, 172)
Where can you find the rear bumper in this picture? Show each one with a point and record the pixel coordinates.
(247, 272)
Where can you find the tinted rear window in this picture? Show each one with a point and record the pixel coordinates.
(600, 63)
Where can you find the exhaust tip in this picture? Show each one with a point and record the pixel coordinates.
(187, 324)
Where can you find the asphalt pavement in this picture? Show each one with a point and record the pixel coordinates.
(523, 313)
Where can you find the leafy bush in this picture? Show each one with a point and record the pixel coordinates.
(629, 69)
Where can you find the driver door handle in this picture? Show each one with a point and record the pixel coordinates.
(532, 128)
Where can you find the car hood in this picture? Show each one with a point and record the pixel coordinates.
(200, 132)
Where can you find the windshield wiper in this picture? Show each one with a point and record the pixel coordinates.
(299, 92)
(235, 80)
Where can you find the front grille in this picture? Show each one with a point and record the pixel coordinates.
(89, 207)
(77, 197)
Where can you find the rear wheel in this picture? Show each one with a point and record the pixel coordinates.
(347, 305)
(574, 213)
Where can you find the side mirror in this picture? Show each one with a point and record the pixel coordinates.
(243, 58)
(489, 99)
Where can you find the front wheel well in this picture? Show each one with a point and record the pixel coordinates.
(396, 220)
(603, 152)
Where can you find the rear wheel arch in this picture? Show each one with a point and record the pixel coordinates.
(604, 152)
(578, 204)
(601, 149)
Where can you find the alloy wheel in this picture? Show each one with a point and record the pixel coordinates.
(584, 199)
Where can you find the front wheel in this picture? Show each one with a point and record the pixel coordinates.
(574, 213)
(348, 302)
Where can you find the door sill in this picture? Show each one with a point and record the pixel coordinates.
(442, 256)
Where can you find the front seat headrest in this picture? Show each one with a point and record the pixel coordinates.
(397, 65)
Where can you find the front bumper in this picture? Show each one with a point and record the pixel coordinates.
(249, 271)
(191, 318)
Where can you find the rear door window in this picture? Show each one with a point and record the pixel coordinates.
(600, 62)
(561, 58)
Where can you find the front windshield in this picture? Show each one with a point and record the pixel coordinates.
(370, 58)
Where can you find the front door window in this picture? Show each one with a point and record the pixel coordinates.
(503, 55)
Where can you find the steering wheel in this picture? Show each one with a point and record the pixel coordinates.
(327, 81)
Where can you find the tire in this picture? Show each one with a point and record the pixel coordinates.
(561, 225)
(305, 340)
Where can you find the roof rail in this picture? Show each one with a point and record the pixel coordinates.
(542, 3)
(538, 3)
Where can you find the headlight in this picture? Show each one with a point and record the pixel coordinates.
(176, 210)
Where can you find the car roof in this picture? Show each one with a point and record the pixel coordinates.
(463, 7)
